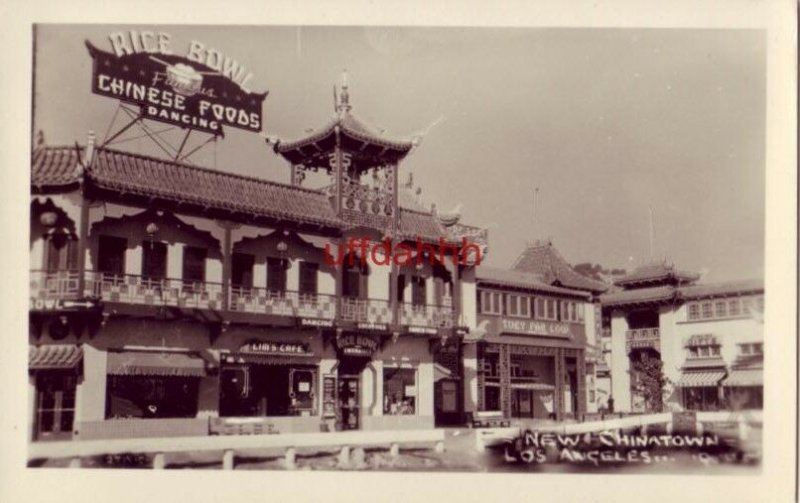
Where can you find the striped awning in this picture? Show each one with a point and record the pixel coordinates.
(700, 379)
(257, 359)
(535, 386)
(54, 357)
(745, 377)
(144, 363)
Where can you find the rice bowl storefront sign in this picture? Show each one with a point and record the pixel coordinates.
(203, 90)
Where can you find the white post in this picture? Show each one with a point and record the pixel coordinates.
(75, 463)
(344, 455)
(479, 445)
(159, 461)
(439, 447)
(227, 460)
(394, 450)
(291, 455)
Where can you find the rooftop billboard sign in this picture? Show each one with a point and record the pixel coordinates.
(202, 89)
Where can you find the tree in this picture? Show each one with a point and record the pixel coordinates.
(597, 271)
(651, 383)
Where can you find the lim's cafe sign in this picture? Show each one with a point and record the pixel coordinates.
(539, 328)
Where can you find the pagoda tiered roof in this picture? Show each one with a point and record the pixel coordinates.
(656, 273)
(353, 133)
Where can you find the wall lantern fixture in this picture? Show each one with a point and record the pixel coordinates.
(48, 218)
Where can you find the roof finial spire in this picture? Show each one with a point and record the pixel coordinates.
(343, 98)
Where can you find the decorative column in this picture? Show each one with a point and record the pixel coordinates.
(580, 369)
(83, 244)
(479, 377)
(227, 252)
(505, 379)
(558, 394)
(456, 293)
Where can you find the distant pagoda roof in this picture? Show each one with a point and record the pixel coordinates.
(657, 273)
(542, 258)
(354, 135)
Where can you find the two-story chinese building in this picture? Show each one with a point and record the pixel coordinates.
(708, 337)
(169, 299)
(527, 357)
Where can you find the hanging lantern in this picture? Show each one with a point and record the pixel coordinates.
(48, 218)
(282, 247)
(151, 229)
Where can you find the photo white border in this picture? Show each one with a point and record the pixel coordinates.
(776, 480)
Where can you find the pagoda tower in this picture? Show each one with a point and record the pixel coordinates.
(361, 161)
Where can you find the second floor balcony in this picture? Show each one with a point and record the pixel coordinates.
(132, 289)
(368, 311)
(282, 303)
(427, 316)
(171, 292)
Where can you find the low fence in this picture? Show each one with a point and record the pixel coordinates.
(231, 445)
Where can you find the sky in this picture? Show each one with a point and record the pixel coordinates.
(611, 125)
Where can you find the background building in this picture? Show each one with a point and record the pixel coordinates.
(709, 338)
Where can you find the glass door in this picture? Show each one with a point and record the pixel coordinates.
(55, 405)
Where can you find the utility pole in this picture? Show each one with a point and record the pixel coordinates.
(533, 216)
(652, 235)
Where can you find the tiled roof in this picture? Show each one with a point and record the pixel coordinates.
(638, 296)
(517, 279)
(122, 171)
(655, 272)
(415, 223)
(722, 289)
(668, 292)
(55, 166)
(349, 125)
(148, 176)
(543, 258)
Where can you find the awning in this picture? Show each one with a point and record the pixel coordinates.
(269, 359)
(54, 357)
(745, 377)
(700, 379)
(143, 363)
(535, 386)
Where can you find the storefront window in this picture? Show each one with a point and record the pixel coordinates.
(267, 390)
(399, 391)
(151, 397)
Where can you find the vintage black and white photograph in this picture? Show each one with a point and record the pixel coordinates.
(521, 250)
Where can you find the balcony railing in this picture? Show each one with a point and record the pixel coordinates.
(132, 289)
(374, 311)
(643, 338)
(47, 285)
(427, 316)
(288, 303)
(148, 291)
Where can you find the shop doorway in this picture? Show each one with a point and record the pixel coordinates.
(349, 397)
(55, 405)
(349, 409)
